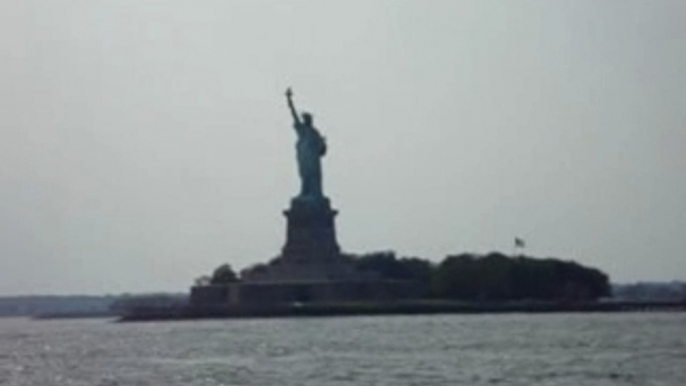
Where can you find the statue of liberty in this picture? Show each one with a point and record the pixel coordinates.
(310, 147)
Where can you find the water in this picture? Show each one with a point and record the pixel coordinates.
(559, 349)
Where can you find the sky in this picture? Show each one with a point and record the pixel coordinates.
(146, 142)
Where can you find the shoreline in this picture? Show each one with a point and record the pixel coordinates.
(387, 308)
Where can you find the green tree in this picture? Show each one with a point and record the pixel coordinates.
(496, 277)
(224, 274)
(386, 265)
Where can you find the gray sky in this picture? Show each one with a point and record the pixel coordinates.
(146, 142)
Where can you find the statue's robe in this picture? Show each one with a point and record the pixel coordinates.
(310, 148)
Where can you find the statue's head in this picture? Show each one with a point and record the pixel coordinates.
(307, 118)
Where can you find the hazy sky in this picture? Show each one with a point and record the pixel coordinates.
(146, 142)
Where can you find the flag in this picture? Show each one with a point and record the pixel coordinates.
(519, 243)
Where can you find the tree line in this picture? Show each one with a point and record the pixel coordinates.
(473, 277)
(491, 277)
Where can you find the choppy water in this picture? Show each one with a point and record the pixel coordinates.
(560, 349)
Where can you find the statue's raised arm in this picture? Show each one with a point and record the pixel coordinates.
(289, 96)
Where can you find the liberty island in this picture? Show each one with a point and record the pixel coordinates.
(312, 276)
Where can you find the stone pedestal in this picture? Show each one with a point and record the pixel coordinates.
(310, 231)
(310, 269)
(311, 251)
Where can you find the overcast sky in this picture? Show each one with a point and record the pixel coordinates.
(146, 142)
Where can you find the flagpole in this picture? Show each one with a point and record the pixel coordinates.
(519, 245)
